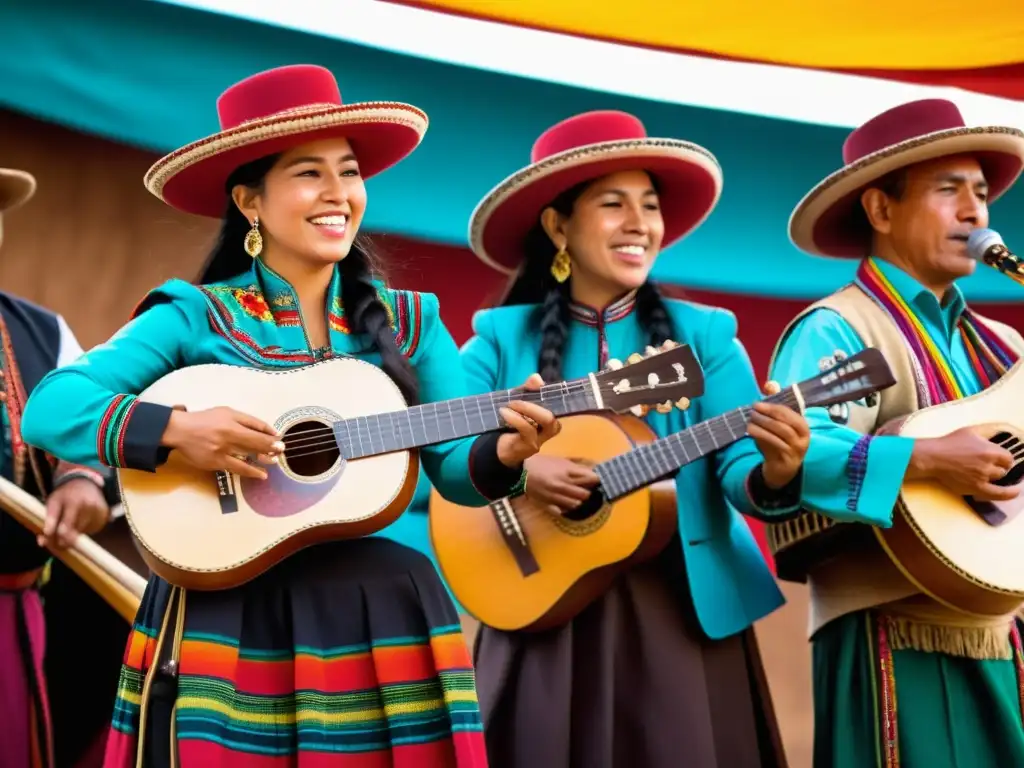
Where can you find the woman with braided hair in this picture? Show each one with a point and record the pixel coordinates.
(663, 670)
(346, 653)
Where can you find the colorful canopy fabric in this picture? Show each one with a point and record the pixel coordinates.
(854, 35)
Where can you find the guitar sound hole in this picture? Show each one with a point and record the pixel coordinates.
(310, 448)
(588, 508)
(997, 513)
(1016, 449)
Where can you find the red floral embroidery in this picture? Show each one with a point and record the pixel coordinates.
(253, 303)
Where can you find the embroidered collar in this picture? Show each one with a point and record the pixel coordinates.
(260, 309)
(617, 310)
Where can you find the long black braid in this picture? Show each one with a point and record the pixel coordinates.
(536, 285)
(364, 310)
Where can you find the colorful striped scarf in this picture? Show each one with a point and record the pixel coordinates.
(990, 356)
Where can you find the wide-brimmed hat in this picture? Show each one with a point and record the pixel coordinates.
(830, 221)
(16, 188)
(272, 112)
(585, 147)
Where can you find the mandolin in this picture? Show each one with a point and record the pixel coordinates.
(514, 566)
(349, 468)
(964, 552)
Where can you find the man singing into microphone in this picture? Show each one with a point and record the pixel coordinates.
(898, 678)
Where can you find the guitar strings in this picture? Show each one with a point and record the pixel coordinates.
(308, 448)
(311, 443)
(309, 437)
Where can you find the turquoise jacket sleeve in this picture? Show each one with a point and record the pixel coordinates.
(88, 413)
(480, 357)
(466, 471)
(847, 476)
(729, 383)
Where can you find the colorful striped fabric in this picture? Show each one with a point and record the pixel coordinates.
(991, 358)
(405, 701)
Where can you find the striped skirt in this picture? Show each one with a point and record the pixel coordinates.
(348, 655)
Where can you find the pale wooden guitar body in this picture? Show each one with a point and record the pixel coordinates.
(176, 513)
(560, 565)
(938, 539)
(350, 464)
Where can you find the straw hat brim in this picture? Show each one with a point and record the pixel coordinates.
(829, 220)
(689, 183)
(16, 188)
(192, 178)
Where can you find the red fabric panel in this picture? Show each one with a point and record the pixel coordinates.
(464, 284)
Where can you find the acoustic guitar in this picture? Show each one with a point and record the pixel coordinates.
(963, 552)
(111, 579)
(515, 566)
(349, 468)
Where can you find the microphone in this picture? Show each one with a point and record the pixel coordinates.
(987, 246)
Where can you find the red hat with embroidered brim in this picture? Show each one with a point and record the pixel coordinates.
(830, 221)
(583, 148)
(16, 188)
(275, 111)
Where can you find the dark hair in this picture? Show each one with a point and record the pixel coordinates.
(894, 186)
(363, 308)
(536, 285)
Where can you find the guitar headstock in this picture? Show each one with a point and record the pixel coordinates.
(663, 379)
(855, 377)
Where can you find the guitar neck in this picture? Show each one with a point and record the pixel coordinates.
(627, 472)
(446, 420)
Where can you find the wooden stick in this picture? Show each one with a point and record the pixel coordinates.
(111, 579)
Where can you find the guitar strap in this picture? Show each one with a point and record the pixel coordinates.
(990, 356)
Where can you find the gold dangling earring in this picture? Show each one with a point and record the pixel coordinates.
(253, 239)
(561, 266)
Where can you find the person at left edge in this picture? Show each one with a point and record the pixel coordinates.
(42, 721)
(349, 651)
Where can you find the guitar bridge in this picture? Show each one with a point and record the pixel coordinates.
(226, 493)
(514, 536)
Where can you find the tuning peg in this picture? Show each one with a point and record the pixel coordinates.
(650, 351)
(669, 344)
(665, 407)
(613, 364)
(640, 410)
(636, 357)
(683, 403)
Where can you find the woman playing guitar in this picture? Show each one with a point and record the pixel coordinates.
(352, 648)
(661, 671)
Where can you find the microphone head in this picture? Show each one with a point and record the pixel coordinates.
(980, 240)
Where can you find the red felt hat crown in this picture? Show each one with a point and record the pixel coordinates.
(272, 112)
(583, 148)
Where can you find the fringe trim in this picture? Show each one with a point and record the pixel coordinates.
(966, 642)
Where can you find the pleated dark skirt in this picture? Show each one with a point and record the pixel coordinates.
(630, 683)
(348, 654)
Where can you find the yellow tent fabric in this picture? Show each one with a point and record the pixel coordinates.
(830, 34)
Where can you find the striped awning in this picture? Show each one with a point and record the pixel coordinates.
(934, 42)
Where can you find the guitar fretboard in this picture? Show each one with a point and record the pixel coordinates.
(439, 422)
(642, 466)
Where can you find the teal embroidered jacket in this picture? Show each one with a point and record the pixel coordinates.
(88, 412)
(729, 581)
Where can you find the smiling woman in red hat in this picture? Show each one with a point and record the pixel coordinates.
(663, 669)
(347, 653)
